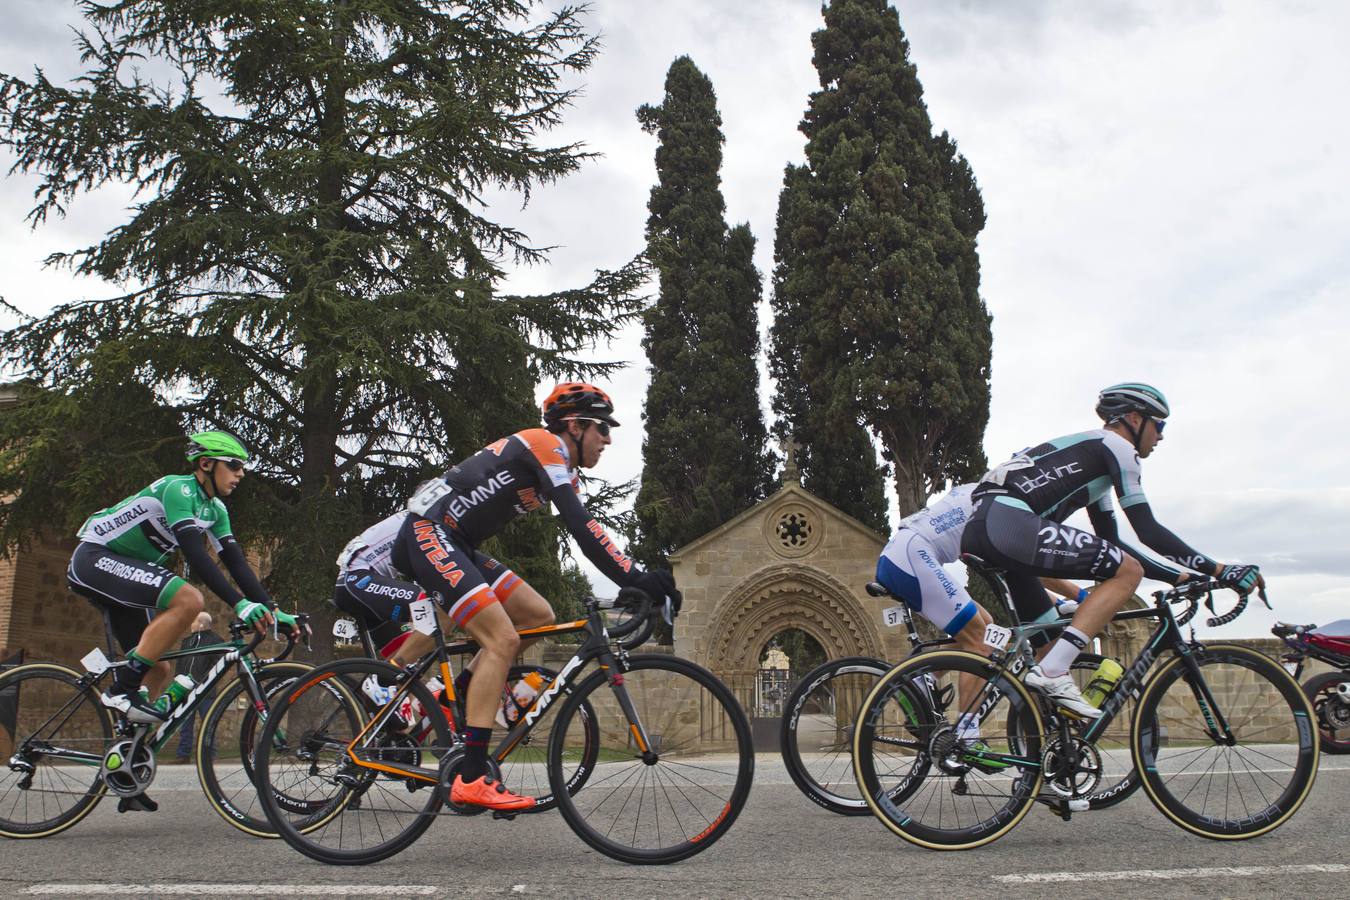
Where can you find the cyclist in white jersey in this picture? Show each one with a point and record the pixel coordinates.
(910, 567)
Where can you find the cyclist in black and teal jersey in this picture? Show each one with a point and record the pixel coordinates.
(119, 566)
(1020, 507)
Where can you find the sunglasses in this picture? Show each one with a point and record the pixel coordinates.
(1158, 424)
(233, 465)
(600, 425)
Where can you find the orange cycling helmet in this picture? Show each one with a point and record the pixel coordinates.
(577, 399)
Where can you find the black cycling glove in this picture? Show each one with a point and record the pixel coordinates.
(659, 584)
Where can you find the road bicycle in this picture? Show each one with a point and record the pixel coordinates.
(65, 750)
(649, 759)
(1329, 692)
(1222, 737)
(816, 734)
(522, 771)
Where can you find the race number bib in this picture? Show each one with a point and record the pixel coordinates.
(1000, 473)
(893, 616)
(95, 662)
(997, 636)
(426, 498)
(423, 616)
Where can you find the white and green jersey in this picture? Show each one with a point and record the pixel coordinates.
(141, 526)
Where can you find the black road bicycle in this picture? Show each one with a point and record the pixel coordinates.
(816, 734)
(1222, 737)
(1329, 692)
(64, 750)
(649, 759)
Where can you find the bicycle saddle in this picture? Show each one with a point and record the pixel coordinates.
(979, 565)
(877, 590)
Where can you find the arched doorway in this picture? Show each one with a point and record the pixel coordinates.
(786, 657)
(795, 615)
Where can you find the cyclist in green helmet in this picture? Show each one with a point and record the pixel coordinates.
(119, 566)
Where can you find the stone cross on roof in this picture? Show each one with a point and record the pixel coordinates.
(789, 446)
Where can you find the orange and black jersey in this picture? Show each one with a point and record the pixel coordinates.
(513, 476)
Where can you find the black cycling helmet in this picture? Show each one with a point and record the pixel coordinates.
(578, 400)
(1132, 396)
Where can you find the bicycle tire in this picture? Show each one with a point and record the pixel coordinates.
(902, 698)
(1242, 699)
(827, 780)
(329, 716)
(1318, 689)
(225, 766)
(525, 769)
(26, 682)
(679, 740)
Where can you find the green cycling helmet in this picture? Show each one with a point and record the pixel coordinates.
(215, 443)
(1119, 399)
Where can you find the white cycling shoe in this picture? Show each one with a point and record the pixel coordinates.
(1062, 690)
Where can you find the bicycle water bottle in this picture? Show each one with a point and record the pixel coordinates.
(179, 688)
(520, 697)
(1103, 680)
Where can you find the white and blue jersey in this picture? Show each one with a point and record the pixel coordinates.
(910, 566)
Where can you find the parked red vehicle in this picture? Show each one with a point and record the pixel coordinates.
(1328, 692)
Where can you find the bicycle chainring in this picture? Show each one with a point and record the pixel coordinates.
(1072, 769)
(128, 767)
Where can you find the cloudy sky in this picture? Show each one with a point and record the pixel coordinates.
(1166, 190)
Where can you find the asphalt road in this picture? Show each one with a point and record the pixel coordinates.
(782, 845)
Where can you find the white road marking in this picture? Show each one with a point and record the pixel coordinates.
(1172, 874)
(188, 889)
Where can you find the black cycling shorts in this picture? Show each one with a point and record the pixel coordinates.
(128, 590)
(382, 605)
(1008, 534)
(463, 580)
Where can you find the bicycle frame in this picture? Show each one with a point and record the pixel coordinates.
(596, 646)
(236, 651)
(1167, 636)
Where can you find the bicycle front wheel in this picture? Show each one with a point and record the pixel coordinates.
(672, 798)
(931, 783)
(53, 734)
(342, 780)
(225, 744)
(816, 735)
(1227, 749)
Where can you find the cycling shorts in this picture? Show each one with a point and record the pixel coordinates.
(1005, 532)
(909, 569)
(128, 590)
(464, 581)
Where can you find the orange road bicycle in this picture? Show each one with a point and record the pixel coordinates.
(649, 757)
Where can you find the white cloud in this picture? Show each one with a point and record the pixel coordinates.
(1167, 200)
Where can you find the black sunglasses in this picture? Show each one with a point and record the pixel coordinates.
(600, 425)
(1158, 424)
(233, 465)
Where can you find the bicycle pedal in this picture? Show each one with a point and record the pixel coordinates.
(508, 815)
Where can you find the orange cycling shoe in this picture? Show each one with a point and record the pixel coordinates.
(489, 793)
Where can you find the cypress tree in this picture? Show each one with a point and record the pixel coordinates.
(704, 454)
(878, 275)
(310, 262)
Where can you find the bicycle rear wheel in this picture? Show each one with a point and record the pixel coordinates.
(1207, 784)
(678, 795)
(53, 734)
(324, 802)
(816, 736)
(930, 785)
(226, 741)
(1333, 715)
